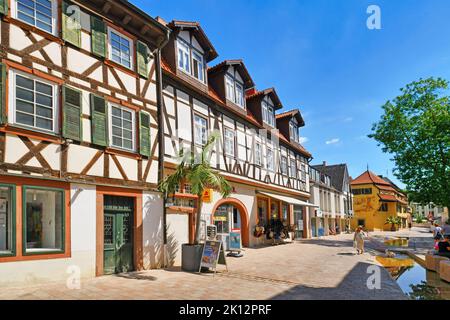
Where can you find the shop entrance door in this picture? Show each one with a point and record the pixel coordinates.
(226, 218)
(118, 234)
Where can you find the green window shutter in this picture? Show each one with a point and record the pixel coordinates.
(72, 113)
(71, 28)
(143, 59)
(4, 7)
(99, 120)
(144, 133)
(3, 116)
(98, 37)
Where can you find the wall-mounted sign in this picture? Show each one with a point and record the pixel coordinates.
(207, 195)
(319, 213)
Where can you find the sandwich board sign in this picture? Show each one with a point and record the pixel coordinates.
(213, 254)
(234, 242)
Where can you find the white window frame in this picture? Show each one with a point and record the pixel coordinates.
(293, 128)
(201, 141)
(293, 168)
(268, 113)
(230, 91)
(229, 142)
(133, 127)
(270, 164)
(183, 46)
(284, 165)
(15, 15)
(12, 101)
(130, 41)
(200, 64)
(241, 95)
(258, 154)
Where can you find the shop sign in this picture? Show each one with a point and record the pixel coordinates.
(207, 195)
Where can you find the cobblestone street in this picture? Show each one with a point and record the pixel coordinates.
(325, 268)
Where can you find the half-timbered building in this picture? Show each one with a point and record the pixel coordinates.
(267, 167)
(78, 139)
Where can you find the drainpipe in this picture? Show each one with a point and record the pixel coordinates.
(161, 148)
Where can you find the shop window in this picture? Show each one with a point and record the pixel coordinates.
(262, 212)
(285, 211)
(274, 210)
(7, 220)
(221, 220)
(43, 217)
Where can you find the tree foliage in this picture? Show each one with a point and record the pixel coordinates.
(415, 129)
(196, 170)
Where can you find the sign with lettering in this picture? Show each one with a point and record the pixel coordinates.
(207, 195)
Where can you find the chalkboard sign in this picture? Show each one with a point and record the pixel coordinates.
(213, 254)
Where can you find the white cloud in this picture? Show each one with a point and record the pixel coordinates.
(333, 141)
(348, 119)
(303, 140)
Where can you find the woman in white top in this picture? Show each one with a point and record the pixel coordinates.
(358, 240)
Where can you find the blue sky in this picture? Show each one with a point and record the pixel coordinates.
(322, 59)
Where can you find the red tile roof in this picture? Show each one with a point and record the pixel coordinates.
(388, 197)
(370, 177)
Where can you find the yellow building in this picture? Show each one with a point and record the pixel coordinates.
(375, 199)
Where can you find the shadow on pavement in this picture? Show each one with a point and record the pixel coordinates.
(353, 287)
(136, 276)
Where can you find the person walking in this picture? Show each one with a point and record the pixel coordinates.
(358, 240)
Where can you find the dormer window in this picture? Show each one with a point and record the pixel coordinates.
(293, 131)
(198, 66)
(235, 91)
(183, 57)
(268, 114)
(190, 61)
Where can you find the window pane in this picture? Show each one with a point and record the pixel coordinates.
(6, 220)
(24, 119)
(44, 88)
(44, 100)
(44, 123)
(44, 219)
(24, 106)
(25, 94)
(44, 112)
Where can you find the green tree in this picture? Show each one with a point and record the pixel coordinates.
(196, 169)
(394, 222)
(415, 129)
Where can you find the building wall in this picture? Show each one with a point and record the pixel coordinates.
(367, 207)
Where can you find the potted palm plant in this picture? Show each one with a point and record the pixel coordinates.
(394, 222)
(195, 169)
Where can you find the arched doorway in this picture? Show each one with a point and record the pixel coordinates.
(237, 215)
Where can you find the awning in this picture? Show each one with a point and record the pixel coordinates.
(289, 200)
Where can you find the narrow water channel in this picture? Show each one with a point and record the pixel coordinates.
(414, 280)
